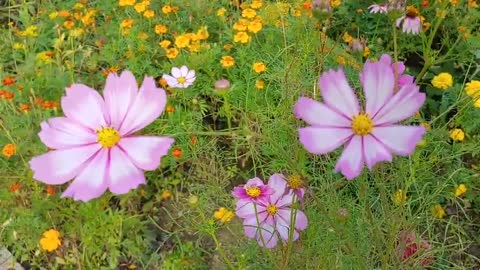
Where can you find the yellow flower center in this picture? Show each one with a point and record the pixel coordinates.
(108, 137)
(253, 191)
(362, 124)
(272, 209)
(295, 182)
(181, 80)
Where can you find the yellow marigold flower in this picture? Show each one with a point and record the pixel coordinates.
(30, 31)
(477, 104)
(166, 195)
(335, 3)
(221, 12)
(149, 14)
(259, 84)
(202, 33)
(296, 12)
(473, 88)
(165, 43)
(256, 4)
(228, 47)
(241, 25)
(64, 14)
(347, 38)
(124, 3)
(227, 61)
(182, 41)
(127, 23)
(460, 190)
(366, 52)
(89, 17)
(18, 46)
(76, 32)
(172, 53)
(454, 2)
(255, 27)
(442, 81)
(45, 57)
(53, 15)
(472, 4)
(400, 197)
(141, 7)
(9, 150)
(78, 6)
(241, 37)
(194, 46)
(259, 67)
(68, 24)
(161, 29)
(341, 60)
(223, 215)
(50, 240)
(457, 135)
(167, 9)
(249, 13)
(438, 211)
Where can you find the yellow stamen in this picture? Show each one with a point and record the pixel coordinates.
(272, 209)
(181, 80)
(362, 124)
(253, 191)
(295, 182)
(108, 137)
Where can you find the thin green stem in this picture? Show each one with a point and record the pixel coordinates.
(293, 218)
(259, 230)
(220, 249)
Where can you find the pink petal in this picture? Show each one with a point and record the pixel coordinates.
(378, 82)
(122, 174)
(285, 201)
(58, 166)
(318, 114)
(61, 133)
(119, 93)
(171, 81)
(351, 161)
(323, 140)
(147, 107)
(400, 140)
(146, 151)
(301, 221)
(269, 235)
(337, 94)
(283, 225)
(279, 185)
(176, 72)
(254, 182)
(91, 182)
(85, 106)
(245, 209)
(374, 151)
(250, 224)
(401, 106)
(184, 71)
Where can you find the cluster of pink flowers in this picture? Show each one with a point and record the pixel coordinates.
(410, 22)
(267, 210)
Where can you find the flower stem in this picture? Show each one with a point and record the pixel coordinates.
(261, 235)
(293, 218)
(220, 250)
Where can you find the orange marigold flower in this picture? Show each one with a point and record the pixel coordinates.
(9, 150)
(15, 187)
(38, 101)
(8, 81)
(24, 108)
(50, 190)
(170, 109)
(50, 240)
(177, 152)
(193, 140)
(8, 95)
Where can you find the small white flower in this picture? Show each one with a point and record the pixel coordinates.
(381, 8)
(181, 77)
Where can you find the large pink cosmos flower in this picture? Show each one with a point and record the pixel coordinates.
(95, 142)
(369, 133)
(273, 213)
(252, 191)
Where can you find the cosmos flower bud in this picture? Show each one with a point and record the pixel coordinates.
(222, 86)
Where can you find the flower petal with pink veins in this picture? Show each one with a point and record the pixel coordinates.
(279, 185)
(323, 140)
(400, 140)
(374, 151)
(176, 72)
(318, 114)
(122, 175)
(85, 106)
(147, 107)
(146, 151)
(245, 209)
(61, 133)
(401, 106)
(350, 163)
(120, 92)
(337, 93)
(269, 235)
(378, 82)
(301, 221)
(250, 224)
(59, 166)
(91, 182)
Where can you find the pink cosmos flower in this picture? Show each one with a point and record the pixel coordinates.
(181, 77)
(95, 142)
(369, 133)
(380, 8)
(410, 22)
(274, 215)
(252, 191)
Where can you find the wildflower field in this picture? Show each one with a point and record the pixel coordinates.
(201, 134)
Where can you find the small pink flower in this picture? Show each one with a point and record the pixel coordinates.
(410, 22)
(181, 77)
(252, 191)
(380, 8)
(409, 247)
(274, 215)
(370, 134)
(95, 143)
